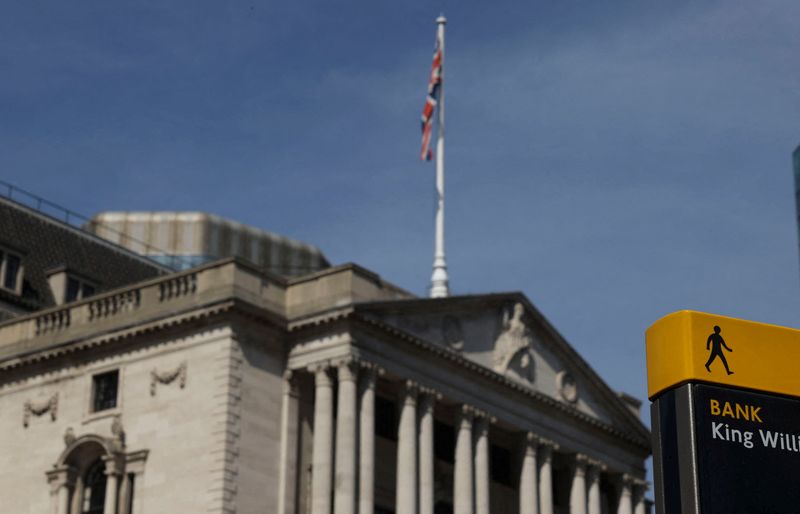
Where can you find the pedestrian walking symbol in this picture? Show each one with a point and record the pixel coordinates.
(715, 343)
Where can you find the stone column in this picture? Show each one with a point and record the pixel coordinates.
(528, 481)
(112, 485)
(426, 455)
(593, 479)
(406, 489)
(322, 459)
(62, 499)
(287, 479)
(482, 478)
(366, 454)
(61, 481)
(625, 506)
(639, 490)
(345, 482)
(546, 477)
(462, 473)
(124, 494)
(577, 492)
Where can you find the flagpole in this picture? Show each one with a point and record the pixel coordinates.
(439, 282)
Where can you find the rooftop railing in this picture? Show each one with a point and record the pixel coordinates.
(78, 221)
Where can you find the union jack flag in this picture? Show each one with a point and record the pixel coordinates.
(434, 85)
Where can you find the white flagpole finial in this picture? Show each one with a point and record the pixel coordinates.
(439, 282)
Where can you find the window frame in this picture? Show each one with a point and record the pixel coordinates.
(82, 285)
(91, 415)
(95, 383)
(5, 252)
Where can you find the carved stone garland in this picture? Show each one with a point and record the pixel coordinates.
(40, 408)
(167, 377)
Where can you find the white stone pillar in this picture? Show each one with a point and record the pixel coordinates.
(112, 483)
(62, 499)
(322, 459)
(577, 491)
(406, 489)
(638, 502)
(546, 477)
(528, 477)
(593, 480)
(426, 455)
(462, 474)
(624, 505)
(62, 481)
(124, 495)
(287, 479)
(482, 478)
(366, 454)
(345, 482)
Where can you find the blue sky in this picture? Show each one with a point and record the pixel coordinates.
(615, 161)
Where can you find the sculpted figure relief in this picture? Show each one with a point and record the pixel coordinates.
(513, 346)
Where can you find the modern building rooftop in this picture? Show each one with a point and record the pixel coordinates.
(198, 237)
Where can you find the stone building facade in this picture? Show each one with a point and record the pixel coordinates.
(225, 388)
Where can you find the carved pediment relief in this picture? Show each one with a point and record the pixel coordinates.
(513, 353)
(452, 333)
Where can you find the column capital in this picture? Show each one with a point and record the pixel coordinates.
(483, 415)
(597, 465)
(547, 447)
(114, 465)
(626, 484)
(322, 373)
(531, 443)
(465, 412)
(290, 383)
(481, 424)
(63, 476)
(347, 369)
(431, 392)
(370, 369)
(410, 391)
(427, 401)
(593, 470)
(580, 461)
(634, 482)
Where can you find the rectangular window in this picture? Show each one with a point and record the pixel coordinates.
(10, 267)
(73, 291)
(87, 290)
(77, 290)
(104, 391)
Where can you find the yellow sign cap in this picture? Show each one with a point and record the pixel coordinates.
(694, 346)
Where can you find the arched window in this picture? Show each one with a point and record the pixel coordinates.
(81, 476)
(95, 475)
(94, 488)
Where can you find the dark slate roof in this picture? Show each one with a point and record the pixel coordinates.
(46, 244)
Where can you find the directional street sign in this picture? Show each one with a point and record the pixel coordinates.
(725, 415)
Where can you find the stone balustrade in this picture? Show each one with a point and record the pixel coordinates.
(146, 299)
(111, 305)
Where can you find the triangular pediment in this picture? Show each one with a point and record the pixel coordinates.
(508, 335)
